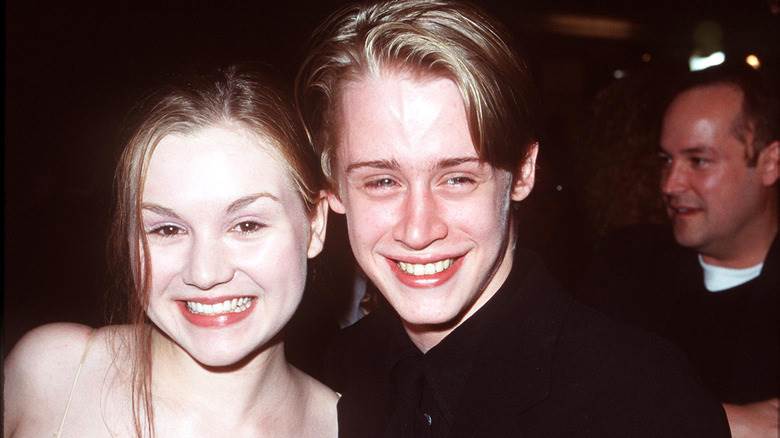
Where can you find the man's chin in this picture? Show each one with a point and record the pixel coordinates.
(687, 239)
(428, 317)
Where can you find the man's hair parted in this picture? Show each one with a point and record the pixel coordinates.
(422, 38)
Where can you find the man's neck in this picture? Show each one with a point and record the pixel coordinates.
(749, 250)
(428, 336)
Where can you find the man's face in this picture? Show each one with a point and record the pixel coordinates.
(428, 222)
(711, 195)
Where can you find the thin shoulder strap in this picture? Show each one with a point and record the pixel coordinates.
(75, 380)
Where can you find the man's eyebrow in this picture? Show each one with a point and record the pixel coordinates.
(374, 164)
(693, 150)
(457, 161)
(392, 164)
(243, 201)
(160, 210)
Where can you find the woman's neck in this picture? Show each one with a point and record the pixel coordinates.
(261, 387)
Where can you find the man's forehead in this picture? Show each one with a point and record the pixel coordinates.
(407, 97)
(378, 81)
(402, 119)
(702, 117)
(721, 102)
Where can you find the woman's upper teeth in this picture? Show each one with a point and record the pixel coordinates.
(234, 305)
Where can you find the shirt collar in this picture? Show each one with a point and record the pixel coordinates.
(448, 364)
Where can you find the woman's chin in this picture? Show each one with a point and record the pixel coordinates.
(233, 359)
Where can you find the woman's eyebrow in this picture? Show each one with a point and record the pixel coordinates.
(159, 209)
(243, 201)
(234, 206)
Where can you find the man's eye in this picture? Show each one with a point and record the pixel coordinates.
(664, 159)
(166, 231)
(380, 183)
(459, 180)
(699, 162)
(247, 227)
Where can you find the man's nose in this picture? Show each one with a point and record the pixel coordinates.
(673, 179)
(421, 222)
(208, 265)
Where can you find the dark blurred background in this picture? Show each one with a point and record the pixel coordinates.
(74, 71)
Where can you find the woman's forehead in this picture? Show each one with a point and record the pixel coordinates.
(214, 162)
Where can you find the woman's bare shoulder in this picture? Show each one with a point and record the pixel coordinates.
(322, 408)
(48, 351)
(41, 369)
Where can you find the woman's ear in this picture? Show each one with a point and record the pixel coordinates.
(319, 225)
(524, 175)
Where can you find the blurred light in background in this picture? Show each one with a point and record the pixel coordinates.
(707, 46)
(590, 26)
(707, 37)
(696, 62)
(646, 57)
(753, 61)
(619, 74)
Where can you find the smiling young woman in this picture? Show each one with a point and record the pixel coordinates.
(213, 189)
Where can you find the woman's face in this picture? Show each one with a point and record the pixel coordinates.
(228, 238)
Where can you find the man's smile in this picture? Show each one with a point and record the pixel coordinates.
(418, 269)
(425, 275)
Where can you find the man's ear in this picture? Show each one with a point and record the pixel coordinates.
(768, 163)
(524, 175)
(334, 199)
(319, 225)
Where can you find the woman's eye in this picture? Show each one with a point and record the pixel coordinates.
(247, 227)
(166, 231)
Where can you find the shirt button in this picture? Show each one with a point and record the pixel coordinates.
(428, 419)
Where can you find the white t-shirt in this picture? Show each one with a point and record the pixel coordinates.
(717, 278)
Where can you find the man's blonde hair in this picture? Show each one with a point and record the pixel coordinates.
(426, 38)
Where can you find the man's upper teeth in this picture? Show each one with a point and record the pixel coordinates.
(228, 306)
(425, 268)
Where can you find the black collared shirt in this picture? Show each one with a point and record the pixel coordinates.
(428, 387)
(530, 362)
(644, 278)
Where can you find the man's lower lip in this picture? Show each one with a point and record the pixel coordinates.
(425, 281)
(686, 213)
(217, 320)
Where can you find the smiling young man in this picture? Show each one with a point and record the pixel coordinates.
(424, 120)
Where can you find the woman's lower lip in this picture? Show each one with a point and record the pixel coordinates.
(217, 320)
(425, 281)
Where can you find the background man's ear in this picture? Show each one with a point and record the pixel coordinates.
(769, 163)
(524, 175)
(319, 225)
